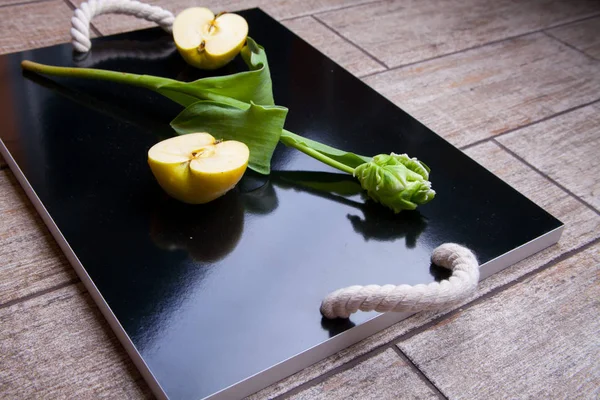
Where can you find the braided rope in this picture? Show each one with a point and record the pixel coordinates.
(462, 283)
(80, 22)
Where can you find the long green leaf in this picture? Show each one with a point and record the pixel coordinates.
(258, 126)
(249, 86)
(350, 159)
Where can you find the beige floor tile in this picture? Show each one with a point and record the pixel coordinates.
(111, 24)
(329, 43)
(384, 376)
(282, 9)
(402, 32)
(583, 35)
(30, 259)
(566, 148)
(537, 339)
(484, 92)
(581, 227)
(4, 3)
(57, 346)
(33, 25)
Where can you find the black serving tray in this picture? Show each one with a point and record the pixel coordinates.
(221, 300)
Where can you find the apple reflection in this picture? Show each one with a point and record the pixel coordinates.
(258, 194)
(207, 232)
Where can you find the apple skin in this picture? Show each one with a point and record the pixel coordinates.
(195, 22)
(190, 185)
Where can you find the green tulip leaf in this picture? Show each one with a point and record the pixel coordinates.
(258, 126)
(249, 86)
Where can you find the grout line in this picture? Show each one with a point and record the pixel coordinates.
(92, 26)
(475, 143)
(331, 10)
(334, 371)
(344, 38)
(493, 42)
(22, 3)
(558, 114)
(569, 45)
(497, 290)
(570, 193)
(562, 24)
(392, 343)
(39, 293)
(95, 30)
(420, 373)
(377, 73)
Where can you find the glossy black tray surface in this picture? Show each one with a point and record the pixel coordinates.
(211, 295)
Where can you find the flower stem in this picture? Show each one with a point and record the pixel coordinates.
(155, 83)
(145, 81)
(316, 154)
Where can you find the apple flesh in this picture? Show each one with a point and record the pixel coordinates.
(207, 41)
(196, 168)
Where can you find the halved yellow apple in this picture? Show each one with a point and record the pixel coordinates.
(207, 41)
(196, 168)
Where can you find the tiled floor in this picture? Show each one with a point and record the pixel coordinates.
(516, 85)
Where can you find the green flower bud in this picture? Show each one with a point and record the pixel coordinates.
(396, 181)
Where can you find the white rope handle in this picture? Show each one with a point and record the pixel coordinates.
(463, 282)
(80, 22)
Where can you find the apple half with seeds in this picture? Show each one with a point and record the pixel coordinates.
(196, 168)
(209, 41)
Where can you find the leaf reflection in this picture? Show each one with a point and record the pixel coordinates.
(376, 222)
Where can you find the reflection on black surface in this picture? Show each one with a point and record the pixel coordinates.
(154, 50)
(381, 224)
(335, 326)
(439, 273)
(207, 232)
(331, 186)
(187, 73)
(377, 223)
(320, 183)
(258, 193)
(147, 122)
